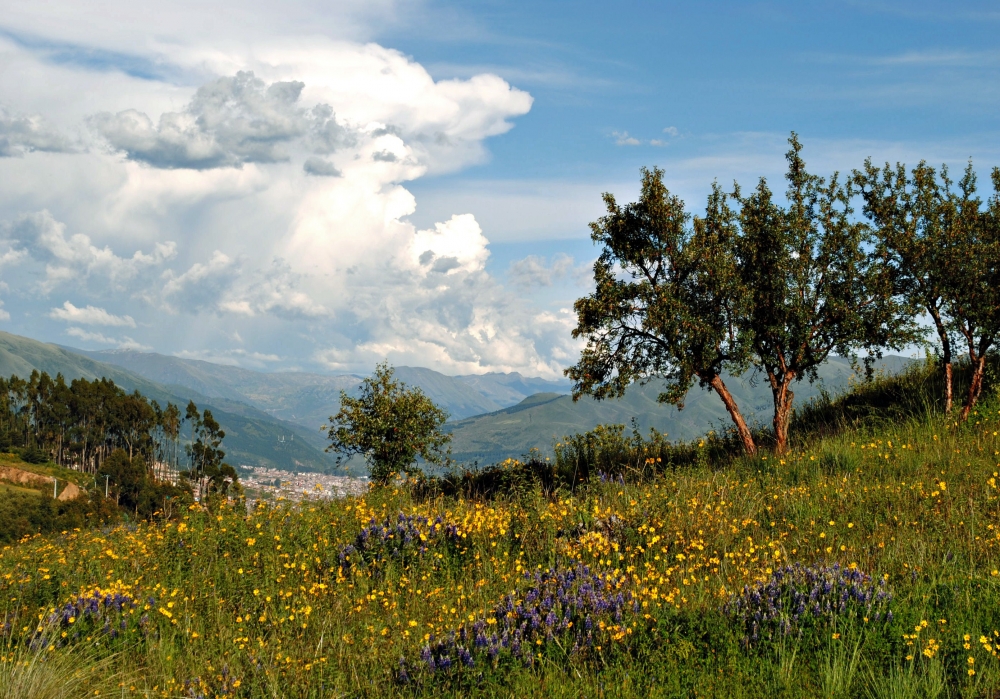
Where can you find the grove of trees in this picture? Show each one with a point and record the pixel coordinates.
(776, 287)
(97, 427)
(80, 424)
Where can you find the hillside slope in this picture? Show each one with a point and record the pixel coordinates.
(540, 419)
(252, 436)
(864, 563)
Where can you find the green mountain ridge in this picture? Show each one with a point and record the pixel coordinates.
(309, 399)
(252, 437)
(274, 418)
(540, 420)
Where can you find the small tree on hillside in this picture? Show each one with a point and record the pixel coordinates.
(668, 303)
(390, 425)
(813, 287)
(914, 242)
(972, 293)
(208, 470)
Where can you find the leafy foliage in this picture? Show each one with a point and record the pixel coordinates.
(78, 425)
(131, 485)
(943, 249)
(776, 287)
(212, 476)
(813, 288)
(669, 302)
(390, 425)
(24, 514)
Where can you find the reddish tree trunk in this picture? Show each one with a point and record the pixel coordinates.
(734, 412)
(947, 385)
(783, 397)
(975, 386)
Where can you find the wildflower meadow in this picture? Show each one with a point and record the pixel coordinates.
(864, 563)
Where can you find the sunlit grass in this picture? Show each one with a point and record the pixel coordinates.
(263, 604)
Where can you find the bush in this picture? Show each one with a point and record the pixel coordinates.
(33, 455)
(24, 514)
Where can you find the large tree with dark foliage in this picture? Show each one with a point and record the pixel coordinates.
(944, 249)
(775, 286)
(390, 425)
(668, 303)
(814, 288)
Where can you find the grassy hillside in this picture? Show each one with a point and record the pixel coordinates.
(864, 564)
(29, 508)
(252, 436)
(540, 420)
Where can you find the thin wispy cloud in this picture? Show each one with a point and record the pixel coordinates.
(926, 58)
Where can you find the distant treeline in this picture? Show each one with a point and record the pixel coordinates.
(80, 424)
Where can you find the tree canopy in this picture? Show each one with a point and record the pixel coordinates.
(668, 302)
(390, 425)
(81, 423)
(208, 471)
(943, 249)
(776, 287)
(814, 288)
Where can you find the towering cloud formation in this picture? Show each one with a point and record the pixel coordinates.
(268, 206)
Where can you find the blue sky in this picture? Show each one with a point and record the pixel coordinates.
(728, 81)
(413, 180)
(925, 76)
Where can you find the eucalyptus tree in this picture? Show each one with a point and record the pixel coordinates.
(167, 431)
(207, 471)
(669, 303)
(813, 287)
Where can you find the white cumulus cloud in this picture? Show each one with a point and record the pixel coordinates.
(268, 200)
(75, 257)
(90, 315)
(21, 134)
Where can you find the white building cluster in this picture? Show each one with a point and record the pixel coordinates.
(269, 483)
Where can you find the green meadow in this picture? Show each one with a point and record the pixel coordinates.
(863, 563)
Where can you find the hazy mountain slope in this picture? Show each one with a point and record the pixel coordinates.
(453, 394)
(538, 420)
(509, 389)
(304, 399)
(252, 436)
(309, 399)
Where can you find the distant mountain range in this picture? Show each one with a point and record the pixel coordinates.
(310, 399)
(252, 436)
(540, 419)
(274, 419)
